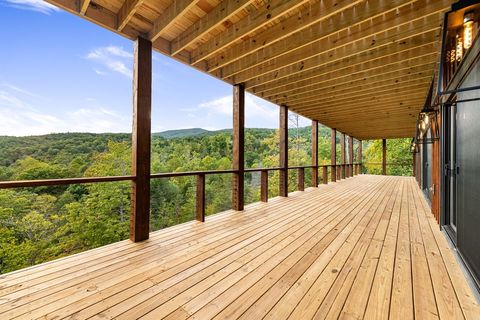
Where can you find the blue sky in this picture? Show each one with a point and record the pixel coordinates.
(61, 73)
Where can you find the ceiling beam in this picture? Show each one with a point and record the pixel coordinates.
(363, 20)
(421, 43)
(370, 91)
(325, 109)
(408, 66)
(126, 12)
(217, 16)
(336, 49)
(420, 92)
(372, 95)
(348, 66)
(358, 85)
(83, 6)
(315, 12)
(176, 10)
(349, 20)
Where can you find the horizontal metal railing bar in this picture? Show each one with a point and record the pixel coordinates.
(59, 182)
(389, 163)
(84, 180)
(190, 173)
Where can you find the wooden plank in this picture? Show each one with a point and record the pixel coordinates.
(359, 21)
(337, 250)
(469, 304)
(238, 161)
(283, 128)
(127, 11)
(172, 14)
(423, 293)
(350, 66)
(141, 140)
(356, 85)
(264, 186)
(353, 290)
(200, 198)
(315, 153)
(387, 44)
(315, 12)
(255, 21)
(232, 303)
(333, 153)
(84, 6)
(144, 263)
(447, 301)
(165, 304)
(309, 27)
(384, 157)
(340, 265)
(206, 24)
(401, 303)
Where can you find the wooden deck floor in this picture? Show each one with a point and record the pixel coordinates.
(366, 247)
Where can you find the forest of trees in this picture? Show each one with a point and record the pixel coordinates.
(43, 223)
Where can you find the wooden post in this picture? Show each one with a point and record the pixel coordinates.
(333, 153)
(238, 146)
(283, 185)
(384, 157)
(339, 172)
(264, 186)
(324, 175)
(414, 165)
(141, 140)
(359, 156)
(342, 155)
(301, 179)
(350, 156)
(200, 207)
(315, 153)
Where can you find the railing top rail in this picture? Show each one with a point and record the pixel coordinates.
(84, 180)
(58, 182)
(190, 173)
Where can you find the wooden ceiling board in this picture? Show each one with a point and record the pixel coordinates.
(315, 56)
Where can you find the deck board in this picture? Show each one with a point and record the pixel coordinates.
(362, 248)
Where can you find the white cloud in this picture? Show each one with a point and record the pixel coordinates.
(258, 113)
(20, 116)
(113, 58)
(32, 5)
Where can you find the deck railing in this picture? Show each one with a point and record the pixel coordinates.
(342, 171)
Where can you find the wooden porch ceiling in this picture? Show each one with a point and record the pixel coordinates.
(331, 60)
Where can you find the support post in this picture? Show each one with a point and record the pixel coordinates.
(414, 165)
(283, 185)
(200, 201)
(141, 140)
(384, 157)
(333, 153)
(342, 155)
(315, 153)
(238, 146)
(350, 156)
(264, 186)
(301, 179)
(359, 156)
(324, 175)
